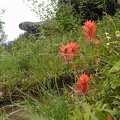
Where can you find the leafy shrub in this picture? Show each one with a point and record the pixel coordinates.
(71, 15)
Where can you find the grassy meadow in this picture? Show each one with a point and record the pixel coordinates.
(36, 83)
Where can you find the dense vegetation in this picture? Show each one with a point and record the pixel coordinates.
(40, 77)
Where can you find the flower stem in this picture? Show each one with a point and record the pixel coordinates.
(87, 99)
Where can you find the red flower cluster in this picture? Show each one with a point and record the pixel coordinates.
(82, 83)
(89, 29)
(69, 51)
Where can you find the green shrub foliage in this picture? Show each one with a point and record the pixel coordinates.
(89, 9)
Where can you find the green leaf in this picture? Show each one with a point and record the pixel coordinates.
(88, 110)
(115, 68)
(115, 83)
(116, 102)
(100, 114)
(118, 113)
(86, 116)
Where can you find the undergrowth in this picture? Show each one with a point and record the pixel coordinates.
(36, 84)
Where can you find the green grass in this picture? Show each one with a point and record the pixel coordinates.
(36, 85)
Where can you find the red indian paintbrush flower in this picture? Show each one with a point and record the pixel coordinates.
(69, 51)
(82, 84)
(89, 30)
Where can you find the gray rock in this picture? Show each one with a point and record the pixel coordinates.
(30, 27)
(35, 27)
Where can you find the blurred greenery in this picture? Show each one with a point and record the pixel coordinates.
(35, 84)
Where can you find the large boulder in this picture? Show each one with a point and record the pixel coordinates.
(31, 27)
(28, 27)
(35, 27)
